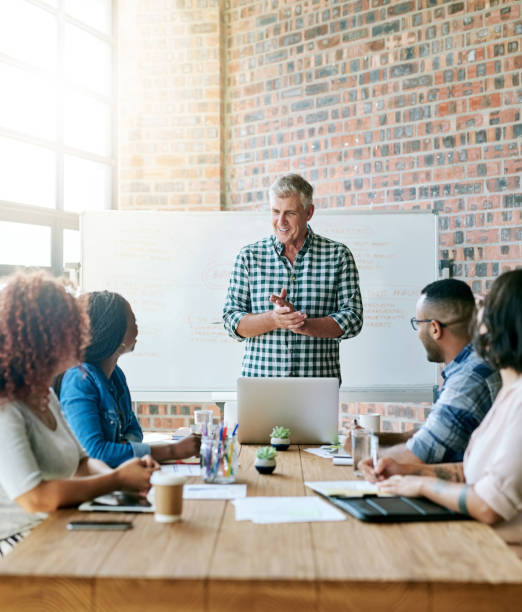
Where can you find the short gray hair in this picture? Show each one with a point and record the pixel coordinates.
(290, 184)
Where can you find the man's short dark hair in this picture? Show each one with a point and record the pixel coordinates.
(448, 289)
(501, 345)
(453, 302)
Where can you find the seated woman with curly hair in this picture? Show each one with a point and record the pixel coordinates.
(95, 397)
(43, 331)
(488, 484)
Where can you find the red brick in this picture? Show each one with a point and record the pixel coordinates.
(482, 236)
(485, 101)
(449, 173)
(470, 121)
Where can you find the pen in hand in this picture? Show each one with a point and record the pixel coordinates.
(374, 450)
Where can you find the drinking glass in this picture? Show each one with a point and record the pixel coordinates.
(360, 448)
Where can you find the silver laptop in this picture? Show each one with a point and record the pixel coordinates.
(307, 406)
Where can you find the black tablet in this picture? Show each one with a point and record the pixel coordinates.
(395, 509)
(118, 501)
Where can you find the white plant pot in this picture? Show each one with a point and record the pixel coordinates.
(265, 466)
(280, 444)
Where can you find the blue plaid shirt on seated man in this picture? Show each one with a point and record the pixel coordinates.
(469, 388)
(322, 282)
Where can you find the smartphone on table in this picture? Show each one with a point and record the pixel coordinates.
(99, 525)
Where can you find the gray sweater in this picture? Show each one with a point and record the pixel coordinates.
(29, 454)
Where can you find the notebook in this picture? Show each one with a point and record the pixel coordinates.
(307, 406)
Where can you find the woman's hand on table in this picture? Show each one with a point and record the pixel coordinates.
(409, 486)
(134, 474)
(187, 447)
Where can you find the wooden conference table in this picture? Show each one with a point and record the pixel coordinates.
(211, 562)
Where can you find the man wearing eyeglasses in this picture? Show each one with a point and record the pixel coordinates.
(443, 321)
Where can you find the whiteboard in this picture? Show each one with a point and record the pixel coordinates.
(174, 267)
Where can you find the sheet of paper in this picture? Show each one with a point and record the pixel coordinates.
(183, 469)
(342, 460)
(348, 488)
(160, 437)
(323, 452)
(266, 510)
(157, 437)
(214, 491)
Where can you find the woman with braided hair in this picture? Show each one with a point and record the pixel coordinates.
(95, 397)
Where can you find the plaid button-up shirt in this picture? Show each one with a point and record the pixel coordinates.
(467, 393)
(322, 282)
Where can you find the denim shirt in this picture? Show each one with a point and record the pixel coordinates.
(99, 412)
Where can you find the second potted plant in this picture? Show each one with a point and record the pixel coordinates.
(280, 438)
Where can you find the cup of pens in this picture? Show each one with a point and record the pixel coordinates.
(219, 455)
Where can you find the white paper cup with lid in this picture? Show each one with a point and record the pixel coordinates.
(168, 496)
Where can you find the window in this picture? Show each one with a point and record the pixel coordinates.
(16, 238)
(56, 127)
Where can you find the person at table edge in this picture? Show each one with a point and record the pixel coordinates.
(487, 485)
(444, 314)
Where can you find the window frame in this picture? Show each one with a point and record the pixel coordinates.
(57, 218)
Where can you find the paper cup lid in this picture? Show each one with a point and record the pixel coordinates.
(164, 478)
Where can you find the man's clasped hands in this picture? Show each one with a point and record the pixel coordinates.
(286, 316)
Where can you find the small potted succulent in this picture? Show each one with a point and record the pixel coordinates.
(280, 438)
(265, 459)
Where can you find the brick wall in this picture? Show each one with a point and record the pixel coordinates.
(167, 417)
(380, 104)
(385, 105)
(170, 105)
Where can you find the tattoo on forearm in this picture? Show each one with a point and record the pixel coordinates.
(463, 507)
(449, 471)
(443, 473)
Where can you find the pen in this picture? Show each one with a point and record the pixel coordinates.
(374, 449)
(235, 429)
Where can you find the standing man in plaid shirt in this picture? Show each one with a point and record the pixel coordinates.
(294, 295)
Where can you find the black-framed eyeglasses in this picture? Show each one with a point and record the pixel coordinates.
(415, 323)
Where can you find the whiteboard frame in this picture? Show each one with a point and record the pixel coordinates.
(414, 394)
